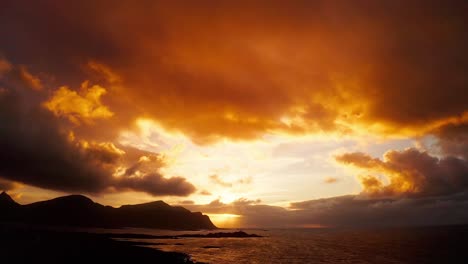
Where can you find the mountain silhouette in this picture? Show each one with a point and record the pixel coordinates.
(6, 202)
(80, 211)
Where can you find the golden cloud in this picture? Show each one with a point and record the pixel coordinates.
(83, 107)
(246, 70)
(273, 71)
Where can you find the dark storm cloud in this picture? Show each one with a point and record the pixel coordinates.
(453, 140)
(156, 184)
(410, 172)
(358, 211)
(36, 149)
(144, 175)
(236, 68)
(39, 39)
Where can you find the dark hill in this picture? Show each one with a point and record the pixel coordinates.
(80, 211)
(7, 203)
(6, 200)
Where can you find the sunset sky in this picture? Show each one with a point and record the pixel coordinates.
(258, 113)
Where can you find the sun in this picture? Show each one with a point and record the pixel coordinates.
(225, 220)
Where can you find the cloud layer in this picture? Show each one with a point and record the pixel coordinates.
(39, 150)
(410, 172)
(346, 211)
(239, 70)
(242, 69)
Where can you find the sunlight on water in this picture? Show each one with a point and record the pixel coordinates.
(321, 245)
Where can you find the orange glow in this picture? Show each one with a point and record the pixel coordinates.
(84, 107)
(231, 105)
(225, 220)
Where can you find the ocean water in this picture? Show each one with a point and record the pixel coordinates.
(392, 245)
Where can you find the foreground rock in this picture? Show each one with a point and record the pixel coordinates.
(238, 234)
(26, 245)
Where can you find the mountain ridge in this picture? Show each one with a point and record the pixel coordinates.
(81, 211)
(7, 201)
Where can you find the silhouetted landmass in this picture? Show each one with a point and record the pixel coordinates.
(6, 200)
(238, 234)
(28, 245)
(80, 211)
(142, 243)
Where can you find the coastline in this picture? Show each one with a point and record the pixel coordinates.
(35, 245)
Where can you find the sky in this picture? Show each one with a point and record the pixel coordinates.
(257, 113)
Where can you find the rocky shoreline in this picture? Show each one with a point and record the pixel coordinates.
(27, 245)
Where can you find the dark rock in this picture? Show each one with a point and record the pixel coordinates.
(141, 243)
(239, 234)
(26, 245)
(6, 202)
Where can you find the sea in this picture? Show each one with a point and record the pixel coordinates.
(419, 245)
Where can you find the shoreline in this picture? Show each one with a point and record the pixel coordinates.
(33, 245)
(29, 244)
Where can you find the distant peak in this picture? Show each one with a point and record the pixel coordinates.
(158, 203)
(76, 198)
(155, 204)
(6, 198)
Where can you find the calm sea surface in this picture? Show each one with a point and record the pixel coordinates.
(395, 245)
